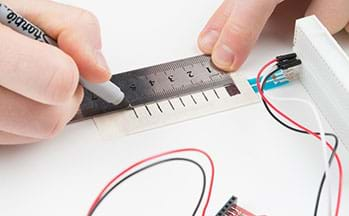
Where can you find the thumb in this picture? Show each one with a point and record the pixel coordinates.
(241, 31)
(333, 14)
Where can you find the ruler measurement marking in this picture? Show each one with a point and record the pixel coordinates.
(182, 101)
(135, 112)
(205, 96)
(171, 105)
(147, 108)
(159, 108)
(215, 92)
(192, 97)
(209, 69)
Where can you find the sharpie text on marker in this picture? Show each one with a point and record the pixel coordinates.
(29, 29)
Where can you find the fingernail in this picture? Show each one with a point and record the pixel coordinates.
(224, 56)
(208, 40)
(101, 61)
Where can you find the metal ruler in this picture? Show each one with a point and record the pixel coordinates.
(161, 82)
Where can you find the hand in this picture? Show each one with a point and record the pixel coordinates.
(235, 27)
(39, 83)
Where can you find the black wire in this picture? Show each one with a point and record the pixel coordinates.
(318, 198)
(153, 165)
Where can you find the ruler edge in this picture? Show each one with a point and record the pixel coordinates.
(165, 66)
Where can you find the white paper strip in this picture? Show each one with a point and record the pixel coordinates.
(175, 110)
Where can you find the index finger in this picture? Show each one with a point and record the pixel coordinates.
(241, 31)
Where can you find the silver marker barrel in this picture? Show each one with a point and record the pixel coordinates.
(107, 91)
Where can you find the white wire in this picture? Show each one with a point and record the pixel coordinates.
(323, 140)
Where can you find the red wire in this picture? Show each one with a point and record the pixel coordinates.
(111, 182)
(211, 161)
(340, 168)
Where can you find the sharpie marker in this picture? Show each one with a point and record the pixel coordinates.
(107, 91)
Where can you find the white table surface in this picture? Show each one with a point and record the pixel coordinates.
(272, 170)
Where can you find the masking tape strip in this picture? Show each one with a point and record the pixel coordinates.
(176, 110)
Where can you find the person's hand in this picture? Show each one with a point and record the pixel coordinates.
(235, 27)
(39, 83)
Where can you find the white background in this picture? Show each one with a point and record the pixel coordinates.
(272, 170)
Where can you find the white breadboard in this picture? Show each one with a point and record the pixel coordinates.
(325, 73)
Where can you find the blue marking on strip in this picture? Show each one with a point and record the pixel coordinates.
(271, 84)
